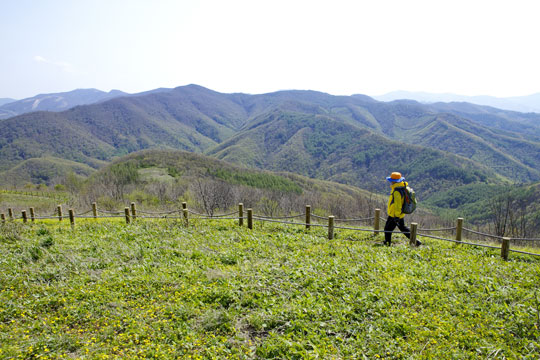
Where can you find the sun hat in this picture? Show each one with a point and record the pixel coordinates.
(395, 177)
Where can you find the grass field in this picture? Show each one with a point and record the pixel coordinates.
(213, 290)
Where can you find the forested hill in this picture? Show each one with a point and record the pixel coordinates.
(351, 139)
(325, 148)
(527, 124)
(186, 119)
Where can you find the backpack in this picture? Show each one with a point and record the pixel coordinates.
(409, 199)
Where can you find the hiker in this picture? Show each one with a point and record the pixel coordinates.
(395, 214)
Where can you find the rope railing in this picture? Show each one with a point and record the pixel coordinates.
(475, 244)
(344, 220)
(523, 239)
(160, 213)
(483, 234)
(211, 216)
(442, 229)
(324, 225)
(461, 242)
(500, 237)
(100, 217)
(216, 218)
(287, 222)
(524, 252)
(356, 229)
(281, 217)
(439, 238)
(166, 216)
(46, 217)
(131, 215)
(371, 230)
(353, 220)
(110, 212)
(263, 218)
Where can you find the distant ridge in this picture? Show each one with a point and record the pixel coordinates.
(4, 101)
(56, 102)
(529, 103)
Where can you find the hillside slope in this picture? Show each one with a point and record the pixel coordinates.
(325, 148)
(519, 157)
(527, 124)
(187, 167)
(44, 170)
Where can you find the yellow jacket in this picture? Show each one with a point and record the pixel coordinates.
(395, 201)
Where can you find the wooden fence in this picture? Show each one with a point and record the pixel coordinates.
(54, 195)
(131, 214)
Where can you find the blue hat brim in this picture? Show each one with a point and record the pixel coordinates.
(395, 180)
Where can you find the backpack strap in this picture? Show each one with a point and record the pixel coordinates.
(403, 192)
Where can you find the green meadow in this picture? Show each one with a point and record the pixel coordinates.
(156, 289)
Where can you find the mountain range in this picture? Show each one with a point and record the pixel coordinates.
(354, 140)
(4, 101)
(528, 103)
(55, 102)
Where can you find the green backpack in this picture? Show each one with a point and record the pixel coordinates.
(409, 199)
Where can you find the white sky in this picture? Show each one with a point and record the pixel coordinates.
(467, 47)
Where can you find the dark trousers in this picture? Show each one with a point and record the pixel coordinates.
(391, 224)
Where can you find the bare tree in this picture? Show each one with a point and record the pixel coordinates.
(518, 218)
(287, 203)
(177, 190)
(500, 213)
(268, 206)
(117, 178)
(158, 189)
(212, 194)
(247, 195)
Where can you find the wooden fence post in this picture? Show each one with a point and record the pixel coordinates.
(10, 213)
(505, 248)
(459, 229)
(414, 227)
(94, 210)
(126, 213)
(24, 217)
(330, 227)
(308, 216)
(250, 218)
(133, 211)
(72, 218)
(32, 214)
(185, 213)
(3, 217)
(377, 222)
(59, 209)
(240, 214)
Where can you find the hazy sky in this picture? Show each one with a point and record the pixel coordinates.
(471, 47)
